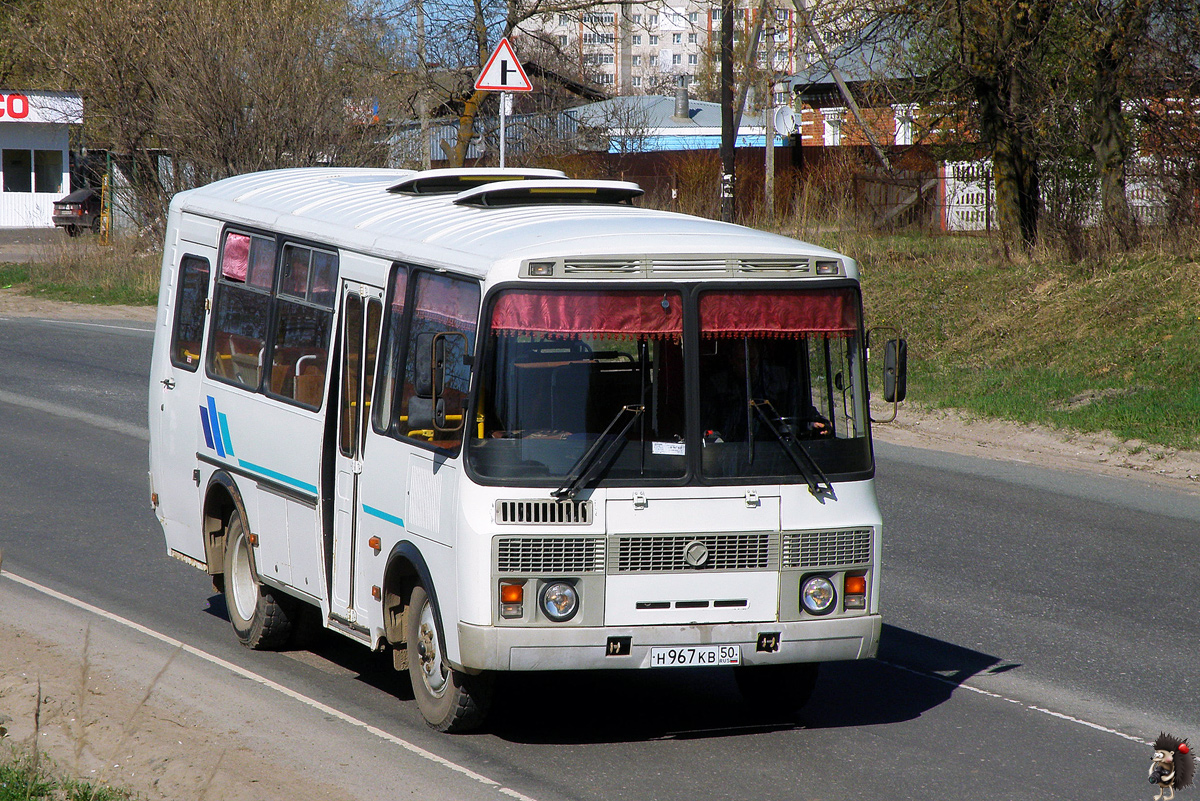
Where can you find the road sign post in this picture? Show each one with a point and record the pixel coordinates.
(503, 74)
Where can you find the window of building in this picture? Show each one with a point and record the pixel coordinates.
(677, 59)
(653, 61)
(562, 41)
(694, 17)
(637, 19)
(48, 171)
(637, 61)
(833, 125)
(637, 80)
(715, 14)
(18, 170)
(653, 39)
(653, 20)
(691, 38)
(693, 58)
(677, 38)
(637, 38)
(563, 19)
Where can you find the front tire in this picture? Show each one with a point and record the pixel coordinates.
(261, 618)
(449, 700)
(785, 687)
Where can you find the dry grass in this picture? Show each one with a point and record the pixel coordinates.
(82, 270)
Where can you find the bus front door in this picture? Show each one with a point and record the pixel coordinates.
(362, 312)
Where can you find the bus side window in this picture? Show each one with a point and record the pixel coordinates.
(190, 294)
(441, 304)
(303, 325)
(241, 310)
(391, 364)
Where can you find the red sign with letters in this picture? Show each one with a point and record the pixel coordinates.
(14, 107)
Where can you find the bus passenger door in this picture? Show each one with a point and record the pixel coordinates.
(362, 312)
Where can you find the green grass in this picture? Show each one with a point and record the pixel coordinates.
(21, 781)
(1108, 345)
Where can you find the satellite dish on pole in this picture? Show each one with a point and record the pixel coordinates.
(785, 121)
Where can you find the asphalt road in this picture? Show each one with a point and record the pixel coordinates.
(1038, 624)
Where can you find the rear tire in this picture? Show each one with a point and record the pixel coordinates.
(261, 618)
(449, 700)
(777, 686)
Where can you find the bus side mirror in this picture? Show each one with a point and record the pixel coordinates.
(423, 366)
(895, 370)
(427, 407)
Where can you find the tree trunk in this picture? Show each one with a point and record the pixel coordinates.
(1111, 149)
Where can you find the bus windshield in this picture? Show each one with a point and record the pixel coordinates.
(561, 366)
(781, 372)
(568, 370)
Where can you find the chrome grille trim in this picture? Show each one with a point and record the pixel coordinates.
(558, 555)
(699, 264)
(665, 553)
(803, 549)
(542, 512)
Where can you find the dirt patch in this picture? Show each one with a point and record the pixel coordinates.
(14, 303)
(1104, 454)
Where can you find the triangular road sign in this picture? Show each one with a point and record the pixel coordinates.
(503, 72)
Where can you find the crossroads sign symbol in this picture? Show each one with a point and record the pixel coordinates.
(503, 72)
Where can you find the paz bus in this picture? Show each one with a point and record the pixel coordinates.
(502, 420)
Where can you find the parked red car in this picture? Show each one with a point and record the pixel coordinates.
(78, 211)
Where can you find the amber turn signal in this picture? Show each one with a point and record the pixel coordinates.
(511, 593)
(375, 544)
(856, 585)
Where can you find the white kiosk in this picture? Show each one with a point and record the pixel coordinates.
(35, 165)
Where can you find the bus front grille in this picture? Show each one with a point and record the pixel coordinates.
(683, 552)
(560, 555)
(544, 512)
(826, 548)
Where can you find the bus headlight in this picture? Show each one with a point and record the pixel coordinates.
(817, 595)
(559, 601)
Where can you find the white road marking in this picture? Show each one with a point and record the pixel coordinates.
(1031, 707)
(58, 410)
(290, 693)
(98, 325)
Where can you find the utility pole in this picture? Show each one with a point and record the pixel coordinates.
(768, 113)
(728, 154)
(422, 90)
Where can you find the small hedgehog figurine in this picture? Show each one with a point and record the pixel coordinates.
(1172, 765)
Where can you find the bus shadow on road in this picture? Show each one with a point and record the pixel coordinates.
(913, 674)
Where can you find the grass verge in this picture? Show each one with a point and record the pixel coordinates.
(22, 780)
(82, 270)
(1107, 344)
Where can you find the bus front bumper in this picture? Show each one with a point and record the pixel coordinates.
(588, 648)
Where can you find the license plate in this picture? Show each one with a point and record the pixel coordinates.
(696, 656)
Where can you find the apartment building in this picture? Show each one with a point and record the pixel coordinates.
(650, 47)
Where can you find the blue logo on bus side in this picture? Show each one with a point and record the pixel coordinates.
(216, 429)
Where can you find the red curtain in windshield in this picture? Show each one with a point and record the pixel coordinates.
(618, 315)
(762, 313)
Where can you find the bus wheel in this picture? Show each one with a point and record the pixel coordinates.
(449, 700)
(261, 619)
(777, 686)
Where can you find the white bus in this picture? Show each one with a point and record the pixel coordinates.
(501, 420)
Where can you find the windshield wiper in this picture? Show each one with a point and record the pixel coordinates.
(600, 454)
(818, 483)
